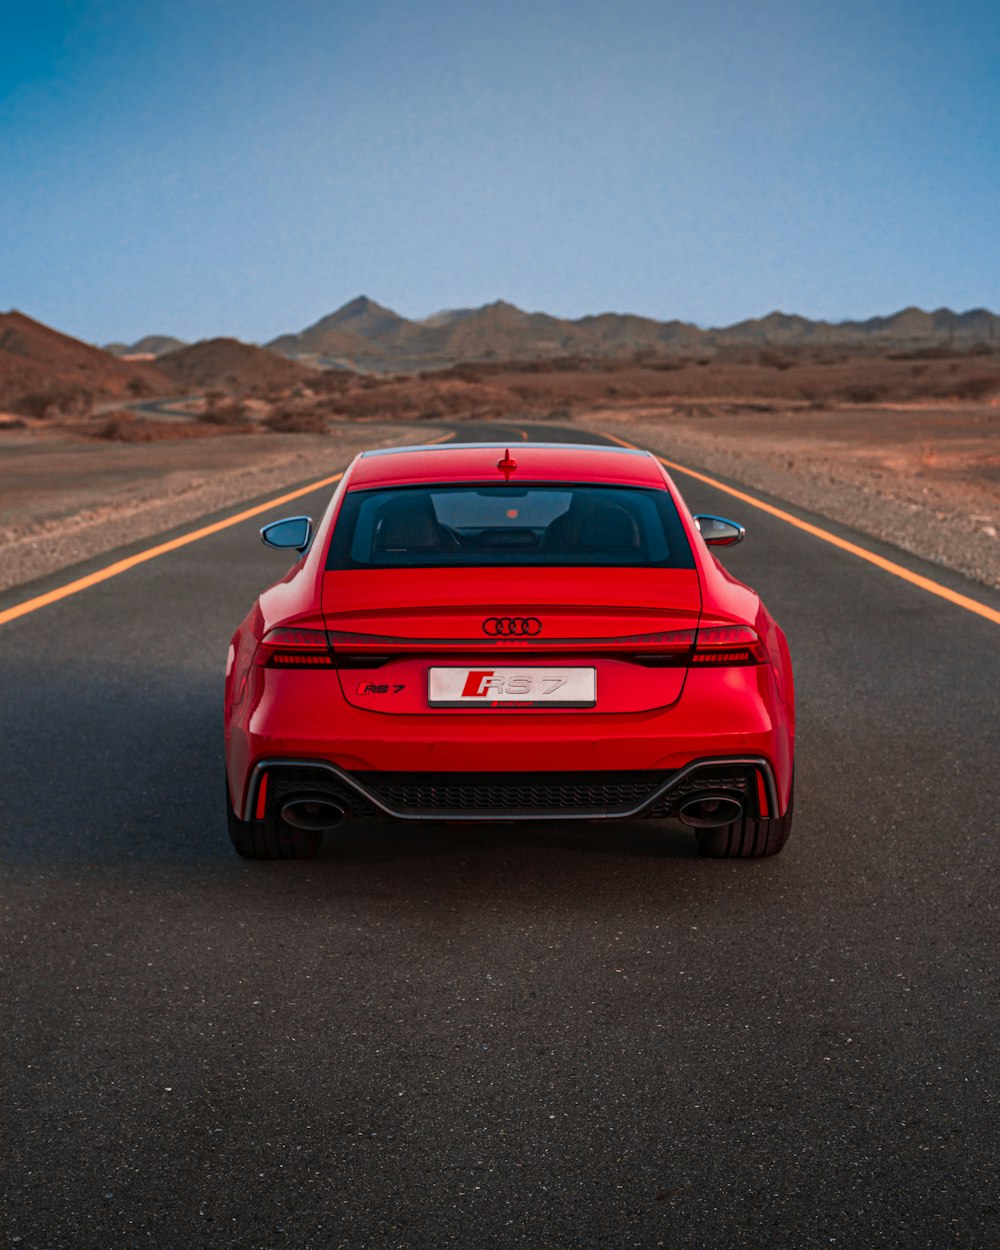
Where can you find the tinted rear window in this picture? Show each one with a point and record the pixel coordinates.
(472, 526)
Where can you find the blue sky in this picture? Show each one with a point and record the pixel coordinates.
(243, 168)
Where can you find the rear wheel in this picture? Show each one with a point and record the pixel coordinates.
(270, 839)
(748, 838)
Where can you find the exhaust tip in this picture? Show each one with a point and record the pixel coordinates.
(314, 813)
(709, 811)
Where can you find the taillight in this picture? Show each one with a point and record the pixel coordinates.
(672, 648)
(295, 648)
(728, 644)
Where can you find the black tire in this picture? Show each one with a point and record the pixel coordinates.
(266, 839)
(748, 838)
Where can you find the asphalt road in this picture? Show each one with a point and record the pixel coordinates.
(489, 1036)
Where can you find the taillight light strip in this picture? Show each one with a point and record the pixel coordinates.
(679, 641)
(715, 645)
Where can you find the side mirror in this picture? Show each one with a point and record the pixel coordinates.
(718, 532)
(293, 533)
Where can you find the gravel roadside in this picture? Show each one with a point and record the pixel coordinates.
(60, 504)
(950, 529)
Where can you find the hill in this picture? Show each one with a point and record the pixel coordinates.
(152, 345)
(360, 327)
(229, 365)
(44, 372)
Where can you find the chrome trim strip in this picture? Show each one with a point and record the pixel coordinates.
(754, 761)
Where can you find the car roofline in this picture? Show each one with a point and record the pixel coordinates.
(503, 446)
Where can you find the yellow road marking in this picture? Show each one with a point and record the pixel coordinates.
(888, 566)
(130, 562)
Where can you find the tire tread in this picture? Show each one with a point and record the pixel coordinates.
(748, 837)
(259, 839)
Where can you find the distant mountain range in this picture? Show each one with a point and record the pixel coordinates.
(46, 373)
(365, 335)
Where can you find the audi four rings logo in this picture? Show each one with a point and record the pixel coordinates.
(512, 626)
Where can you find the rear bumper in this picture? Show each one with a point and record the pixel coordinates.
(500, 796)
(301, 721)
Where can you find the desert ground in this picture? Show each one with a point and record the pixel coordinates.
(902, 446)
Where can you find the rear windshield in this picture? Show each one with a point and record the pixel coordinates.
(471, 526)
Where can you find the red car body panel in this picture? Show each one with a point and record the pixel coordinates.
(376, 717)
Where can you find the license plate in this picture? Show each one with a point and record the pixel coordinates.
(528, 686)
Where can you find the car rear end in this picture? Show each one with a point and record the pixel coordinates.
(532, 643)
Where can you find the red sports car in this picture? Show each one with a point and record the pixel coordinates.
(475, 635)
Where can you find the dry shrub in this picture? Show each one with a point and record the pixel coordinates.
(923, 353)
(863, 394)
(490, 367)
(117, 429)
(462, 373)
(382, 404)
(124, 427)
(288, 421)
(774, 360)
(333, 381)
(54, 401)
(224, 412)
(977, 387)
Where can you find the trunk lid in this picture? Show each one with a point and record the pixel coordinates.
(389, 627)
